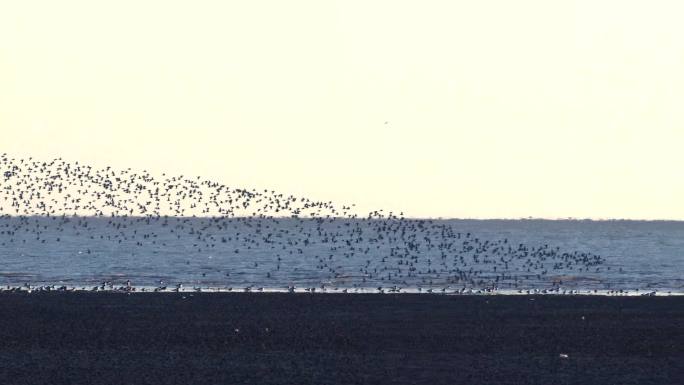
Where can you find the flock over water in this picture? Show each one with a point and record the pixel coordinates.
(69, 226)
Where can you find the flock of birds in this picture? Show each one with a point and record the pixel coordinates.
(213, 235)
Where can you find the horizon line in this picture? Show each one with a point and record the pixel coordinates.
(416, 218)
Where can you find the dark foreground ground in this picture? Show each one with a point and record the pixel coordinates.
(91, 338)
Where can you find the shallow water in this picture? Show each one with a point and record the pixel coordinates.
(343, 253)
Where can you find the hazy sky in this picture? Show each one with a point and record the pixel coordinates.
(437, 108)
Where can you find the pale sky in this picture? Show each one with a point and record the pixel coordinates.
(485, 109)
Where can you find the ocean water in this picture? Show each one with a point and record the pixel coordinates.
(336, 254)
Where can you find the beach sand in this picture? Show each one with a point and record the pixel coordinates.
(278, 338)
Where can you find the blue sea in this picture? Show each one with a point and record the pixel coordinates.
(362, 255)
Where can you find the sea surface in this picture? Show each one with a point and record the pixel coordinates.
(337, 254)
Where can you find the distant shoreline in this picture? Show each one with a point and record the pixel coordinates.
(252, 289)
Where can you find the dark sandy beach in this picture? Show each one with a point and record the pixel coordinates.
(113, 338)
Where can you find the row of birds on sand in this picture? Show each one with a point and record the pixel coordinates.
(180, 288)
(210, 234)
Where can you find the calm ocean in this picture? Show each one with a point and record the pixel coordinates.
(453, 255)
